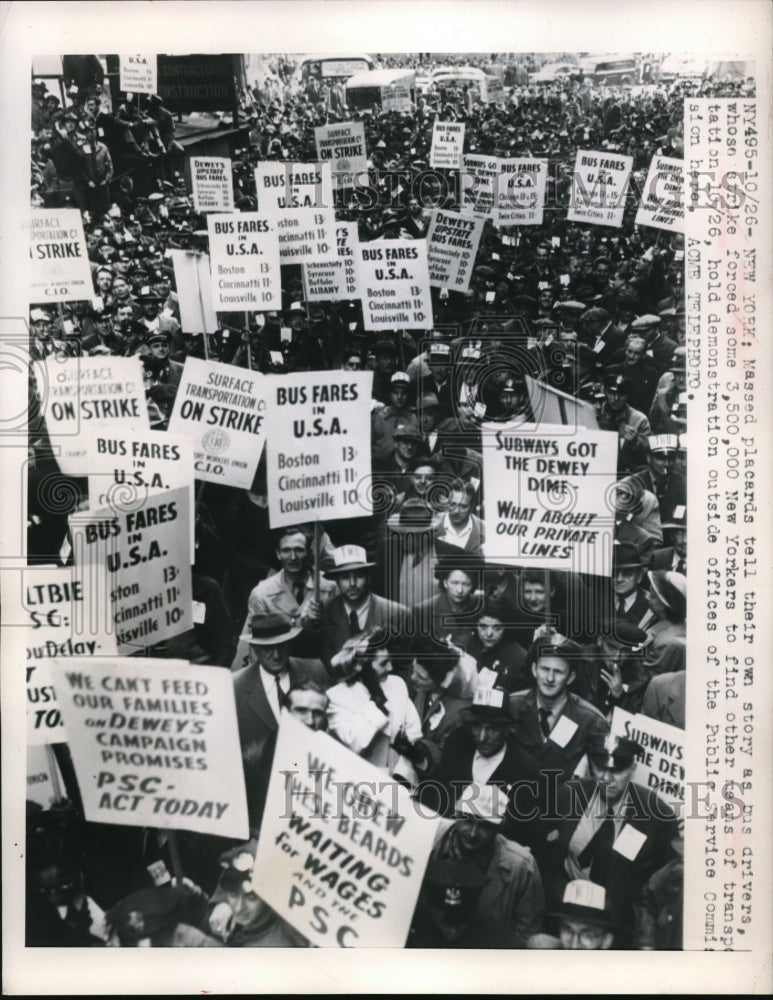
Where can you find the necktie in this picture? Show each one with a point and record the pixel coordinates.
(299, 589)
(681, 568)
(598, 853)
(621, 608)
(354, 624)
(280, 695)
(544, 721)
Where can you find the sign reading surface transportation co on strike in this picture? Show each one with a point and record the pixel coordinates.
(154, 743)
(549, 496)
(222, 408)
(318, 454)
(59, 263)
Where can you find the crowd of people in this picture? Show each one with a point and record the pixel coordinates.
(463, 679)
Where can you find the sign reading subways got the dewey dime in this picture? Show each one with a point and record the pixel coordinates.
(393, 276)
(154, 743)
(318, 454)
(222, 408)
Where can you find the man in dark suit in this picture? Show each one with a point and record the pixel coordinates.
(612, 832)
(674, 556)
(357, 609)
(261, 690)
(631, 602)
(641, 370)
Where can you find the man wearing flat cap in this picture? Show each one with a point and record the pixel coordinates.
(613, 832)
(261, 690)
(356, 608)
(581, 922)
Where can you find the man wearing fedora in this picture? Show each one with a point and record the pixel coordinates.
(261, 689)
(628, 570)
(356, 608)
(673, 556)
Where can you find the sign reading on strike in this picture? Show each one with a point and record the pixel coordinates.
(318, 456)
(479, 185)
(154, 743)
(662, 204)
(336, 279)
(212, 180)
(393, 276)
(125, 469)
(145, 564)
(61, 623)
(222, 408)
(245, 262)
(59, 263)
(661, 763)
(521, 191)
(342, 852)
(447, 145)
(547, 496)
(452, 243)
(343, 146)
(599, 186)
(299, 198)
(138, 74)
(89, 394)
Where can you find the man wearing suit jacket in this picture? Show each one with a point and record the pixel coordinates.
(664, 698)
(551, 723)
(612, 832)
(673, 557)
(261, 690)
(631, 604)
(357, 609)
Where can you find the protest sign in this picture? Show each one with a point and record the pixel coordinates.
(63, 620)
(661, 763)
(548, 496)
(244, 249)
(298, 197)
(342, 849)
(222, 408)
(662, 203)
(125, 469)
(447, 145)
(521, 191)
(212, 182)
(396, 96)
(42, 773)
(599, 186)
(318, 457)
(343, 146)
(193, 281)
(335, 279)
(138, 74)
(143, 556)
(393, 277)
(59, 263)
(479, 185)
(452, 243)
(89, 394)
(154, 743)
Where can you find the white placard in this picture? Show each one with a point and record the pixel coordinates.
(154, 743)
(520, 192)
(662, 762)
(321, 798)
(447, 145)
(212, 183)
(662, 203)
(452, 244)
(59, 263)
(343, 146)
(336, 279)
(318, 460)
(299, 198)
(599, 186)
(479, 185)
(138, 74)
(244, 251)
(546, 496)
(393, 276)
(193, 280)
(222, 408)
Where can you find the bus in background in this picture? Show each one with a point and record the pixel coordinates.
(330, 68)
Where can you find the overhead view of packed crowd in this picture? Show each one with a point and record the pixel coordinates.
(486, 690)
